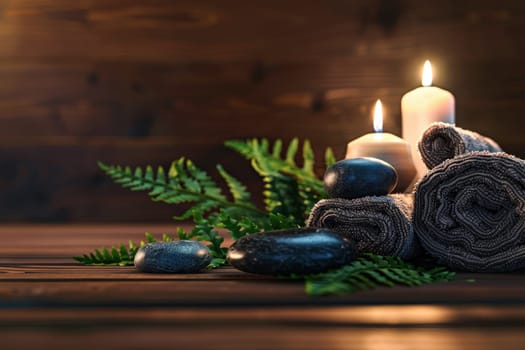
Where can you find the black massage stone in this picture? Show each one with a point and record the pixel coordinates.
(299, 251)
(183, 256)
(360, 177)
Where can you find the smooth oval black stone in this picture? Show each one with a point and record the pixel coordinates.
(360, 177)
(183, 256)
(300, 251)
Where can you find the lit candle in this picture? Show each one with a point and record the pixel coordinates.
(420, 108)
(387, 147)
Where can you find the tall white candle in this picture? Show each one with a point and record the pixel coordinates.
(420, 108)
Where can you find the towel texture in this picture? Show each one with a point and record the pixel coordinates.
(380, 225)
(469, 212)
(443, 141)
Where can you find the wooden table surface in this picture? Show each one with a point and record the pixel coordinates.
(49, 301)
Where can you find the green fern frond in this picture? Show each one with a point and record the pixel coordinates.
(308, 158)
(204, 230)
(237, 189)
(240, 227)
(124, 256)
(272, 162)
(291, 151)
(329, 157)
(117, 256)
(282, 196)
(184, 183)
(290, 190)
(372, 271)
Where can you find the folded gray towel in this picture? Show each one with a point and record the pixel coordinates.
(469, 212)
(379, 225)
(443, 141)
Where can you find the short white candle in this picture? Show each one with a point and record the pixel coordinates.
(387, 147)
(420, 108)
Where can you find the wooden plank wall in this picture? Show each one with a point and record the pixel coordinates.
(137, 82)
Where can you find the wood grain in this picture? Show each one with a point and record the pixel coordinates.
(49, 301)
(227, 337)
(129, 82)
(42, 255)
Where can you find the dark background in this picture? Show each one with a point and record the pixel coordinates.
(144, 82)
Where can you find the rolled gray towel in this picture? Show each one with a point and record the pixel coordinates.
(443, 141)
(469, 212)
(380, 225)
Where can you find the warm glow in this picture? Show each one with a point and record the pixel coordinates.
(427, 74)
(378, 117)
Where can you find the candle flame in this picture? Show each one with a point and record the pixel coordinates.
(378, 117)
(427, 74)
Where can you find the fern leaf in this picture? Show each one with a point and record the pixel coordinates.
(282, 197)
(277, 147)
(254, 149)
(371, 271)
(124, 253)
(185, 179)
(166, 238)
(99, 256)
(239, 227)
(149, 238)
(272, 163)
(308, 158)
(184, 182)
(288, 189)
(204, 229)
(292, 151)
(245, 148)
(117, 256)
(182, 235)
(278, 221)
(216, 262)
(237, 189)
(329, 157)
